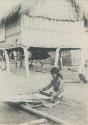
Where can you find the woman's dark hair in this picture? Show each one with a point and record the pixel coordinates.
(56, 70)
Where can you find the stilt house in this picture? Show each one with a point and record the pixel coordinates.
(42, 24)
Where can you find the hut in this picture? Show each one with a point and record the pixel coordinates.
(42, 24)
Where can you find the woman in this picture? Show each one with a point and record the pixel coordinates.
(57, 84)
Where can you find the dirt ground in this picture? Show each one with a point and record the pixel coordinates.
(72, 109)
(12, 115)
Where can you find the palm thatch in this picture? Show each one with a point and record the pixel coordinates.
(12, 17)
(64, 10)
(83, 4)
(55, 10)
(47, 28)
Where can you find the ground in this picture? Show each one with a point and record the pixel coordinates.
(73, 108)
(11, 115)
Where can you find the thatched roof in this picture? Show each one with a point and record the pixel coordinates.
(45, 29)
(59, 10)
(56, 10)
(49, 9)
(15, 13)
(12, 16)
(83, 7)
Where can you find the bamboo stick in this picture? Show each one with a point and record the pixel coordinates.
(26, 62)
(57, 57)
(7, 61)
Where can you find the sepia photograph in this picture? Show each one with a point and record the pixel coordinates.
(43, 62)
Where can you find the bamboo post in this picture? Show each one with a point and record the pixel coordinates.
(82, 56)
(21, 60)
(26, 62)
(82, 60)
(61, 62)
(7, 61)
(57, 57)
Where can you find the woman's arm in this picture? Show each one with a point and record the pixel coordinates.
(47, 87)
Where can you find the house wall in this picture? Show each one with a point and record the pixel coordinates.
(2, 34)
(48, 33)
(13, 33)
(66, 58)
(71, 58)
(76, 58)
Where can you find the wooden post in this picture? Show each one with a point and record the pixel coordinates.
(57, 57)
(82, 61)
(61, 62)
(42, 114)
(45, 115)
(26, 62)
(7, 61)
(21, 59)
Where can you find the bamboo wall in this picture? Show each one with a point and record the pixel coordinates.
(76, 58)
(2, 34)
(45, 33)
(13, 33)
(66, 58)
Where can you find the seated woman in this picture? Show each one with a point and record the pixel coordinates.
(57, 84)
